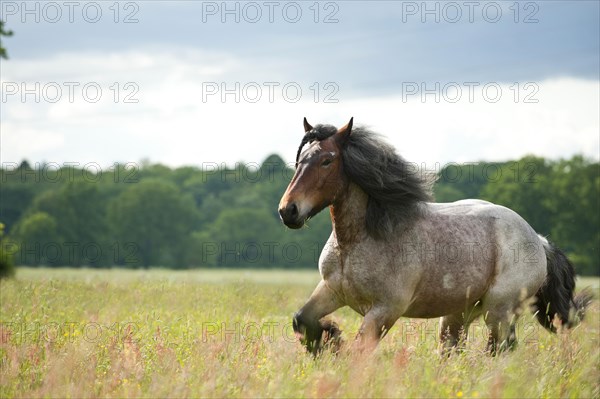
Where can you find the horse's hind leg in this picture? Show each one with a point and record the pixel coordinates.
(455, 328)
(503, 305)
(453, 331)
(501, 323)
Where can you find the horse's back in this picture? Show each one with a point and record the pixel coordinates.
(515, 241)
(486, 213)
(468, 248)
(463, 207)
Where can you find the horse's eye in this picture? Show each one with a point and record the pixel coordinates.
(327, 162)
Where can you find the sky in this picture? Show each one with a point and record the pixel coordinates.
(198, 83)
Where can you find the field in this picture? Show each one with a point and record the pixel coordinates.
(206, 333)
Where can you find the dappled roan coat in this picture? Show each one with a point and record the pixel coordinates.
(392, 253)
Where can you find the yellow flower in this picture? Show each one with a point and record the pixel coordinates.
(459, 394)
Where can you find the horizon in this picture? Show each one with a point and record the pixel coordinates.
(50, 165)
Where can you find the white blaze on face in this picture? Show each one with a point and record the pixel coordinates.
(304, 205)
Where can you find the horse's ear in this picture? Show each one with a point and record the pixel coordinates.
(307, 126)
(344, 132)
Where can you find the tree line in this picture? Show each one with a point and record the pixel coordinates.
(142, 215)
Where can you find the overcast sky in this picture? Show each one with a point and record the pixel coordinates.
(185, 83)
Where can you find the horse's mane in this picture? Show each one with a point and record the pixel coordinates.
(394, 186)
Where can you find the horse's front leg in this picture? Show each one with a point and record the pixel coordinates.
(376, 324)
(307, 321)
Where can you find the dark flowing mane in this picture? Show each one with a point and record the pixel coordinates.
(395, 187)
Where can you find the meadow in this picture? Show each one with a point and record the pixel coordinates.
(227, 333)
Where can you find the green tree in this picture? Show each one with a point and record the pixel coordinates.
(19, 187)
(16, 198)
(7, 33)
(81, 210)
(558, 199)
(241, 237)
(523, 187)
(461, 181)
(7, 266)
(573, 200)
(446, 192)
(274, 178)
(39, 241)
(151, 223)
(154, 215)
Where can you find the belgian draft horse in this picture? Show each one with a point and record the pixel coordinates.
(393, 253)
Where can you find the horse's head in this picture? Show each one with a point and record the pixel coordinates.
(319, 174)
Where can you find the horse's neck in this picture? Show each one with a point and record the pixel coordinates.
(348, 214)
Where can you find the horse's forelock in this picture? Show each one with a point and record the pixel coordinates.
(318, 133)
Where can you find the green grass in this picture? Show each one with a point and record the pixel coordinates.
(207, 333)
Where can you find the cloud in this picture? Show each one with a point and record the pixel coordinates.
(177, 122)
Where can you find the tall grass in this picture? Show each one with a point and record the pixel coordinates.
(85, 333)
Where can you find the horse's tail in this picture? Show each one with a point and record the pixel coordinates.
(556, 296)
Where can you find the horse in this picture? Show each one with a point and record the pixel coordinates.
(394, 253)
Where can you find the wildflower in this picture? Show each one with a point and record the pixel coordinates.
(459, 394)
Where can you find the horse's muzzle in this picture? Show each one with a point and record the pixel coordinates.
(290, 216)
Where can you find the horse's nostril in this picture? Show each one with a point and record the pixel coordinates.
(293, 210)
